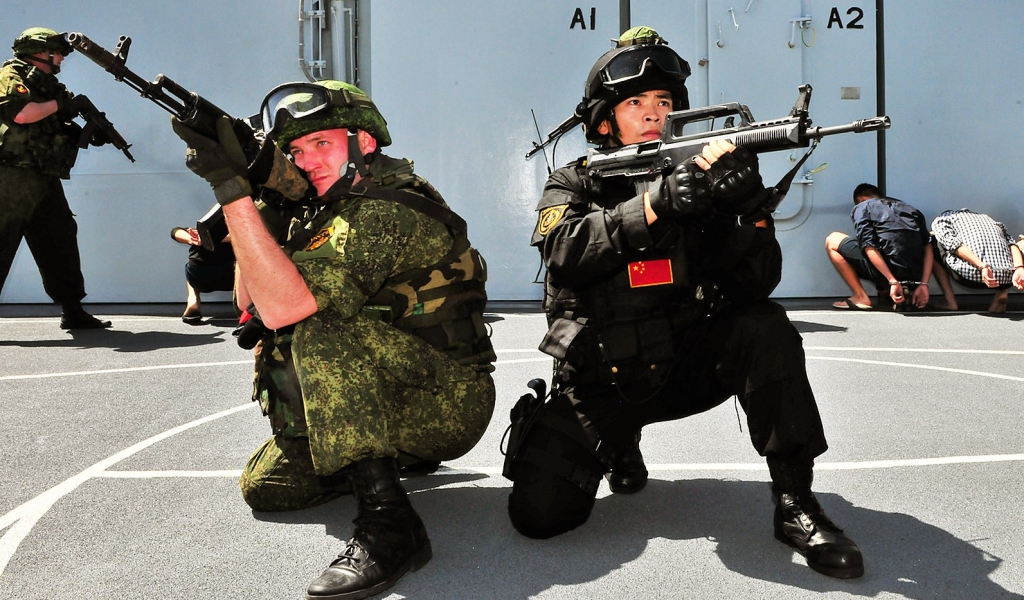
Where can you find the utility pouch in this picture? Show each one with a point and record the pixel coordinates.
(558, 340)
(521, 417)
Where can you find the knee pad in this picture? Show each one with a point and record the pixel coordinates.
(555, 473)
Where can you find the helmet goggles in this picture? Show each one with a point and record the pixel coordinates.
(632, 63)
(298, 100)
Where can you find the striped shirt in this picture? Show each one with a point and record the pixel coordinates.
(985, 236)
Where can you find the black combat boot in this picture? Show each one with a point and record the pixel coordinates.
(73, 316)
(801, 523)
(629, 473)
(389, 537)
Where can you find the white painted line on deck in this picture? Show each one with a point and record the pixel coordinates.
(126, 370)
(20, 521)
(914, 366)
(915, 350)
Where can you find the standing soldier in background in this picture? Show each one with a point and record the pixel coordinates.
(375, 354)
(38, 147)
(658, 308)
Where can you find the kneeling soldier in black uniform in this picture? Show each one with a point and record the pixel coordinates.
(658, 309)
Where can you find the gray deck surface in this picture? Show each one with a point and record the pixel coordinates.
(122, 450)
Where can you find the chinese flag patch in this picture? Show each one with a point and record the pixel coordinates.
(650, 272)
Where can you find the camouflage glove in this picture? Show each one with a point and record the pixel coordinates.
(685, 192)
(733, 178)
(220, 162)
(274, 171)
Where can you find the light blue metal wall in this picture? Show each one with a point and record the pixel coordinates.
(954, 90)
(230, 52)
(457, 80)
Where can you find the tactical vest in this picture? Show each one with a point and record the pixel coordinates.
(442, 304)
(49, 145)
(628, 325)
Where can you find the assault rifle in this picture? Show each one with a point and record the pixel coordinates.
(190, 108)
(675, 147)
(98, 129)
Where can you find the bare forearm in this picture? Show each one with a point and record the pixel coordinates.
(270, 278)
(36, 111)
(878, 261)
(968, 255)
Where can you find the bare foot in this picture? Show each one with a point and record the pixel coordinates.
(945, 305)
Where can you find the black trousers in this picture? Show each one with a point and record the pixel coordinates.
(752, 352)
(33, 207)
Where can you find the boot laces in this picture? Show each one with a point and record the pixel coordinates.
(352, 556)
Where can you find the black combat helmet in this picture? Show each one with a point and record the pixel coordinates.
(640, 62)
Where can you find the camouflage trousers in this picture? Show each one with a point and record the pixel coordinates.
(33, 207)
(369, 391)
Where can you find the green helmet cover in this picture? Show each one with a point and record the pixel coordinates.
(639, 35)
(363, 114)
(41, 39)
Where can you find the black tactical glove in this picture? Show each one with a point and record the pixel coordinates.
(67, 106)
(734, 177)
(273, 170)
(685, 192)
(220, 162)
(99, 138)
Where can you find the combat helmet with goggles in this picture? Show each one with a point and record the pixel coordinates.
(292, 110)
(640, 62)
(36, 40)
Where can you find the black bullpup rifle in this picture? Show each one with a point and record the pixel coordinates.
(190, 108)
(675, 147)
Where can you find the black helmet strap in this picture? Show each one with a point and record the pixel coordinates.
(54, 68)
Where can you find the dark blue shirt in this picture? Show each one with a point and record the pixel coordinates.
(897, 230)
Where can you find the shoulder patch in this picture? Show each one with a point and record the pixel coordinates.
(319, 239)
(20, 89)
(549, 217)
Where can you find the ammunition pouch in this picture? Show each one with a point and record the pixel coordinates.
(442, 305)
(276, 385)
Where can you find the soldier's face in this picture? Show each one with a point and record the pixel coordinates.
(640, 118)
(323, 155)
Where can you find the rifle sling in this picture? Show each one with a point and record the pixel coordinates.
(415, 202)
(743, 234)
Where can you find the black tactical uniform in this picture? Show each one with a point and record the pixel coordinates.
(655, 322)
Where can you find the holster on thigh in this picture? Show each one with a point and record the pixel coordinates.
(555, 470)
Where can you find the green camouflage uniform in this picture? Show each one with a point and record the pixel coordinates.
(33, 159)
(359, 386)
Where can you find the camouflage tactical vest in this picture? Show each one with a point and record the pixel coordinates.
(442, 304)
(49, 145)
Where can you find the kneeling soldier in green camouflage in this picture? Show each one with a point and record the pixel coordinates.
(376, 354)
